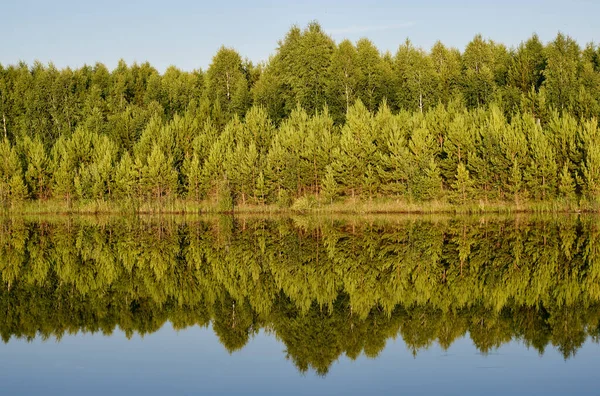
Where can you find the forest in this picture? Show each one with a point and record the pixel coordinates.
(324, 287)
(319, 123)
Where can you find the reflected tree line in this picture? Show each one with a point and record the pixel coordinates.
(324, 287)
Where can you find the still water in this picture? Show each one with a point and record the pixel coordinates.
(345, 305)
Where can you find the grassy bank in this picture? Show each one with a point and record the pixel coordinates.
(308, 204)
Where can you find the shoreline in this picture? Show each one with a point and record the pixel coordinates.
(303, 205)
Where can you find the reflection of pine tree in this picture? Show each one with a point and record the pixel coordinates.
(325, 288)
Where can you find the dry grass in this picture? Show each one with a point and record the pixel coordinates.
(302, 205)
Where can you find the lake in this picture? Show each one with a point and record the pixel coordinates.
(300, 305)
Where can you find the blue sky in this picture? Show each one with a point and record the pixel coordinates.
(188, 33)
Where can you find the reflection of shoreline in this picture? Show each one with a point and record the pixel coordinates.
(336, 288)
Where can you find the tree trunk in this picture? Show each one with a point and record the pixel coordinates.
(316, 176)
(347, 99)
(227, 82)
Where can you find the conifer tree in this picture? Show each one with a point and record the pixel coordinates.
(394, 157)
(541, 171)
(12, 187)
(127, 178)
(590, 167)
(261, 188)
(516, 181)
(193, 174)
(37, 174)
(356, 149)
(423, 150)
(158, 176)
(432, 182)
(329, 185)
(566, 184)
(463, 184)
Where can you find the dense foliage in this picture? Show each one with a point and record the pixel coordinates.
(323, 118)
(324, 287)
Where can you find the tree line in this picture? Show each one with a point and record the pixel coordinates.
(319, 118)
(326, 287)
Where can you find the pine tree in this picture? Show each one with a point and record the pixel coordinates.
(193, 173)
(566, 184)
(432, 182)
(127, 178)
(158, 176)
(395, 159)
(12, 187)
(356, 149)
(63, 182)
(541, 172)
(591, 172)
(38, 173)
(463, 184)
(370, 182)
(516, 181)
(329, 185)
(261, 189)
(102, 169)
(423, 150)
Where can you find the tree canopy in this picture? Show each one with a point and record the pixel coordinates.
(319, 118)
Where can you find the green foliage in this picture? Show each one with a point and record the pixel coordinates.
(365, 123)
(463, 186)
(158, 177)
(566, 184)
(12, 187)
(356, 149)
(192, 172)
(37, 174)
(329, 186)
(323, 287)
(227, 82)
(224, 196)
(127, 178)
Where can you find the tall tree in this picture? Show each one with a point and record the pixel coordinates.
(416, 90)
(342, 86)
(562, 71)
(227, 83)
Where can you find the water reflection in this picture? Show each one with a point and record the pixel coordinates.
(323, 287)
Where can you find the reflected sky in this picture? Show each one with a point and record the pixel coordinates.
(192, 361)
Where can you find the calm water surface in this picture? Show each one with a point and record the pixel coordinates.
(494, 305)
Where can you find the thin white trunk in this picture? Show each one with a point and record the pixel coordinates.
(227, 82)
(347, 100)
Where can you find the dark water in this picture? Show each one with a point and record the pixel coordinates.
(428, 305)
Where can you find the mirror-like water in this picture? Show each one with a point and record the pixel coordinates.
(297, 305)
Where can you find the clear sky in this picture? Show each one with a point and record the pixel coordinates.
(188, 33)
